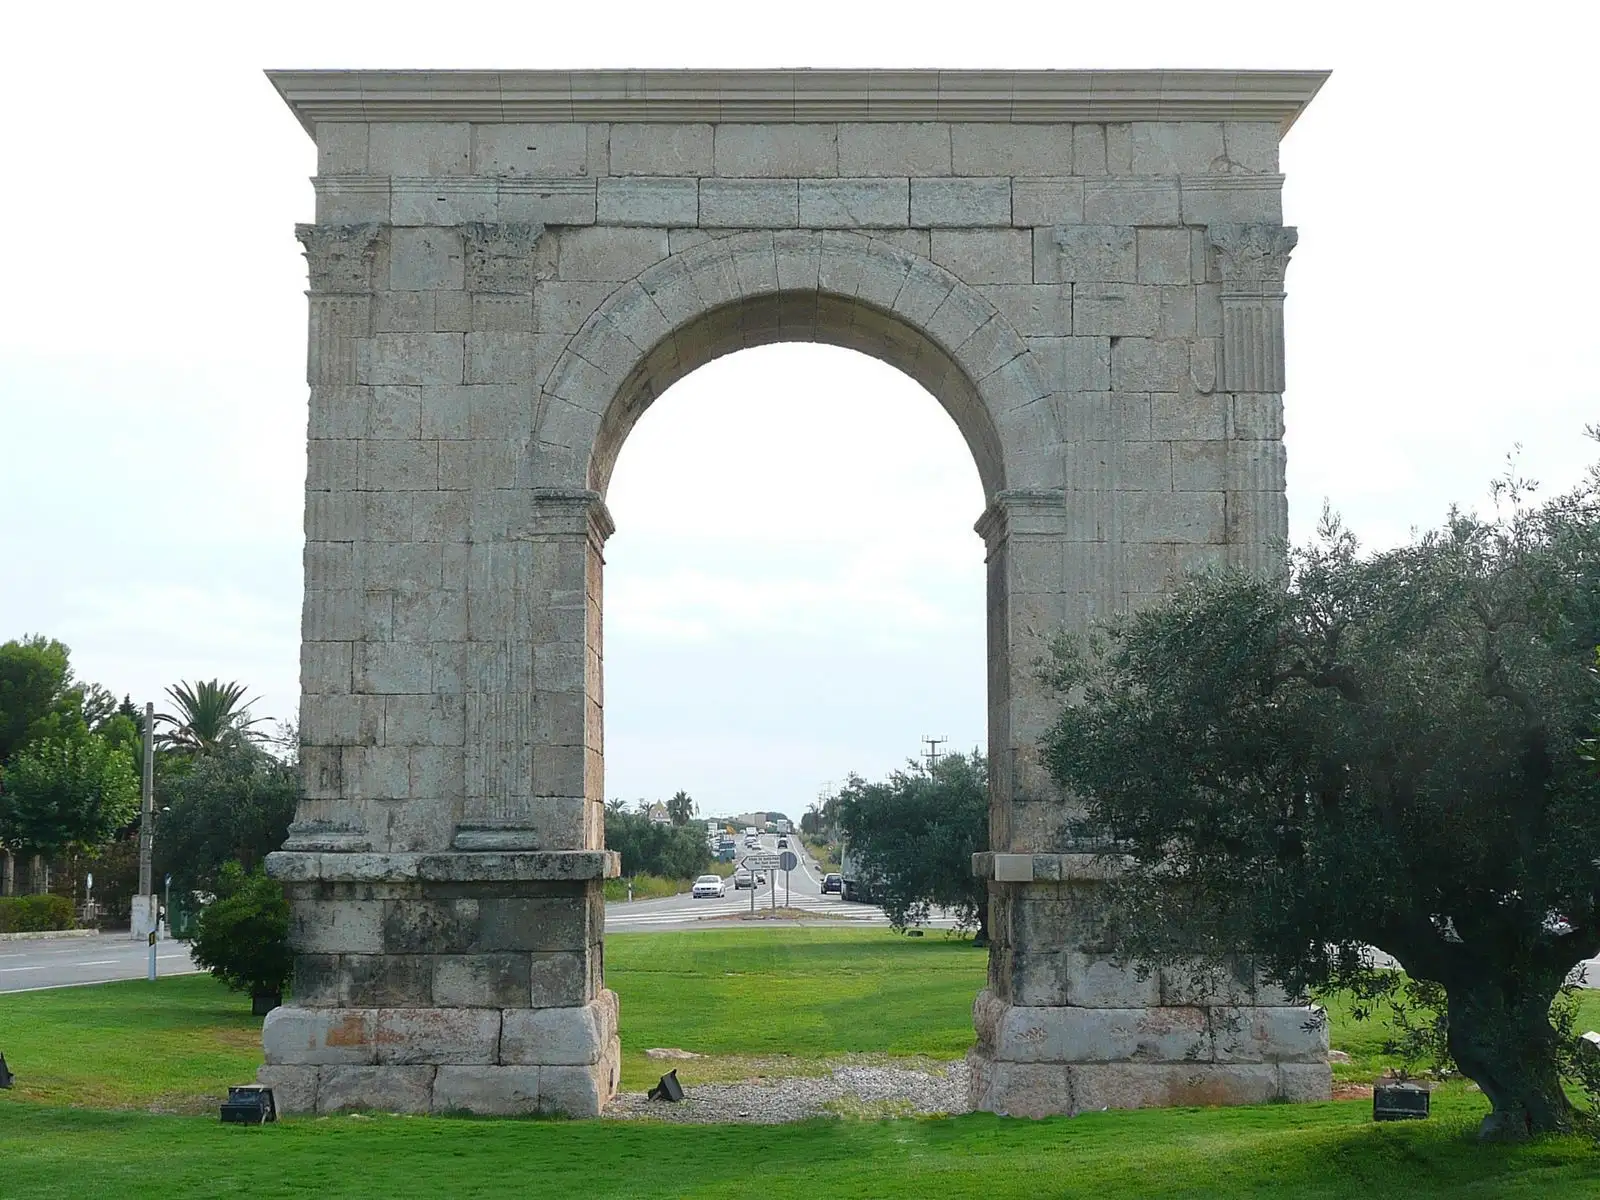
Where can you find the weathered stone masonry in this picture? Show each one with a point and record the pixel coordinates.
(1084, 268)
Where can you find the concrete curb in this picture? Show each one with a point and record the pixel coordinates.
(42, 934)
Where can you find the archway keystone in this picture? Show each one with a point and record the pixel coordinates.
(1084, 269)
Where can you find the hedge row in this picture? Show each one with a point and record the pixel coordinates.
(34, 914)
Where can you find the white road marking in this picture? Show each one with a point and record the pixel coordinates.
(7, 970)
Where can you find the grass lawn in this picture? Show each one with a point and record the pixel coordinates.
(99, 1067)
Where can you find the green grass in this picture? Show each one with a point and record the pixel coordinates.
(753, 1001)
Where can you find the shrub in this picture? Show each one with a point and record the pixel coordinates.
(35, 914)
(242, 937)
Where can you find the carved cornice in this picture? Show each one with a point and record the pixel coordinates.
(784, 96)
(1007, 507)
(552, 505)
(340, 257)
(1253, 258)
(500, 256)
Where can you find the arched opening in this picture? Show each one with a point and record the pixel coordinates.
(793, 592)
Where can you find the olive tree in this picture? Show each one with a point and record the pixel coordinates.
(1378, 750)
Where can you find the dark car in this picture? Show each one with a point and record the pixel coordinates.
(783, 843)
(832, 882)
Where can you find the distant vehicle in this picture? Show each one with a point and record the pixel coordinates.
(785, 827)
(743, 878)
(709, 886)
(832, 882)
(783, 843)
(854, 883)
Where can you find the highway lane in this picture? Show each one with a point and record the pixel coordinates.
(34, 964)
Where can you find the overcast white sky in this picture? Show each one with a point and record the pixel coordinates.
(781, 608)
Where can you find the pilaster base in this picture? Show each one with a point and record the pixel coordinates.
(486, 1062)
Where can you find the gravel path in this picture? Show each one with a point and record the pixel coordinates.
(850, 1090)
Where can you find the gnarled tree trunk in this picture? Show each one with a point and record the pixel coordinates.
(1501, 1037)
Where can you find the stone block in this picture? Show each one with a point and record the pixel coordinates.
(1011, 149)
(460, 1036)
(1096, 982)
(1032, 309)
(577, 1036)
(1177, 147)
(1228, 199)
(425, 260)
(336, 927)
(893, 148)
(1120, 310)
(560, 979)
(294, 1089)
(749, 203)
(486, 1091)
(1085, 253)
(1099, 1086)
(1073, 364)
(1200, 466)
(295, 1036)
(1250, 147)
(547, 150)
(480, 980)
(1148, 365)
(1188, 416)
(985, 255)
(1274, 1035)
(959, 203)
(1165, 256)
(419, 148)
(775, 151)
(562, 307)
(543, 923)
(600, 253)
(854, 203)
(1121, 201)
(395, 1089)
(431, 926)
(1046, 201)
(403, 312)
(385, 980)
(648, 201)
(1305, 1083)
(1009, 1089)
(1185, 517)
(425, 358)
(1257, 417)
(1195, 983)
(661, 150)
(580, 1091)
(1088, 149)
(342, 148)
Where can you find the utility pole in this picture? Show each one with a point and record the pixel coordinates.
(932, 751)
(144, 904)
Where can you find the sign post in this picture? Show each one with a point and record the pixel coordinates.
(788, 860)
(151, 975)
(770, 863)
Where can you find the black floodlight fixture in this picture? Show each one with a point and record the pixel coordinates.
(669, 1088)
(6, 1077)
(249, 1104)
(1400, 1102)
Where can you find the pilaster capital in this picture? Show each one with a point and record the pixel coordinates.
(499, 256)
(1022, 510)
(340, 257)
(1253, 258)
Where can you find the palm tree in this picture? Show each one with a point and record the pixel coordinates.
(210, 716)
(680, 808)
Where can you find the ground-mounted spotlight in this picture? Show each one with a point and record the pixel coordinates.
(249, 1104)
(6, 1077)
(669, 1088)
(1400, 1102)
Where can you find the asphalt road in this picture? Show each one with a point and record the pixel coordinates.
(36, 963)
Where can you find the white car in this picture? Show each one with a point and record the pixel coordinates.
(709, 885)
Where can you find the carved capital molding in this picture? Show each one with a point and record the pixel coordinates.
(340, 257)
(1253, 258)
(1021, 510)
(500, 255)
(575, 510)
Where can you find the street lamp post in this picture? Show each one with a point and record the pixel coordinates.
(144, 904)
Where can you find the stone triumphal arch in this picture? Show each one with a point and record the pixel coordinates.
(1084, 268)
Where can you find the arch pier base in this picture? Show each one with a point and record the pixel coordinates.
(1063, 1029)
(451, 982)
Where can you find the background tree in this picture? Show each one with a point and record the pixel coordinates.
(915, 834)
(61, 792)
(232, 805)
(652, 848)
(681, 808)
(37, 695)
(210, 715)
(1379, 753)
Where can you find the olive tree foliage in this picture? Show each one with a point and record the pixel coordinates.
(1379, 750)
(914, 835)
(72, 792)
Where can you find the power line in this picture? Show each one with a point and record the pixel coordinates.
(932, 752)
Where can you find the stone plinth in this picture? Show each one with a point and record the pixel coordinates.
(1063, 1027)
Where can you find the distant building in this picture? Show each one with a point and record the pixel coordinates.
(658, 813)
